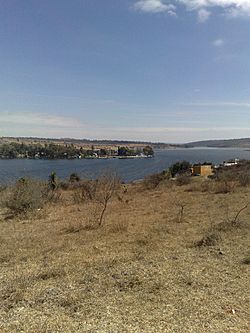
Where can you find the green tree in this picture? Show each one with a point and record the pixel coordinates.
(180, 168)
(123, 151)
(53, 181)
(148, 151)
(74, 177)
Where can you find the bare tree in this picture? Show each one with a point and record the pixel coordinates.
(181, 207)
(106, 186)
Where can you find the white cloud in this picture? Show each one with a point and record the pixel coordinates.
(155, 6)
(232, 8)
(38, 119)
(203, 15)
(48, 125)
(218, 104)
(39, 124)
(218, 42)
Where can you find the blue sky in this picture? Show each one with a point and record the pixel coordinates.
(171, 71)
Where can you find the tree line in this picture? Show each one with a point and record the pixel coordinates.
(54, 151)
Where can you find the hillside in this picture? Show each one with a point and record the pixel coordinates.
(87, 143)
(168, 259)
(231, 143)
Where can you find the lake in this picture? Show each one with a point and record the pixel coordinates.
(127, 169)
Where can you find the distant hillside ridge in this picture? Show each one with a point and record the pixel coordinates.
(230, 143)
(88, 142)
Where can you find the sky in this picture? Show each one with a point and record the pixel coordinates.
(152, 70)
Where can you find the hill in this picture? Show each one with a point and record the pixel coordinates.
(231, 143)
(88, 143)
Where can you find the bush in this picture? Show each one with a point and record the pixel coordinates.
(98, 192)
(53, 181)
(183, 179)
(152, 181)
(88, 190)
(85, 192)
(239, 173)
(26, 195)
(74, 177)
(210, 239)
(244, 179)
(224, 187)
(180, 168)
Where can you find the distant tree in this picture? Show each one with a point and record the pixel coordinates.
(103, 152)
(148, 151)
(123, 151)
(89, 153)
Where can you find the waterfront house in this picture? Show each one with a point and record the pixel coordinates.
(231, 162)
(203, 170)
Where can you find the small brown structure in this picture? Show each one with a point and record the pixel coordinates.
(203, 170)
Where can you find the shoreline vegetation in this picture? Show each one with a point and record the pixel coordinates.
(51, 151)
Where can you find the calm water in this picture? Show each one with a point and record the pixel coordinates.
(128, 169)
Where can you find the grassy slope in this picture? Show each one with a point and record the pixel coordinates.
(138, 273)
(231, 143)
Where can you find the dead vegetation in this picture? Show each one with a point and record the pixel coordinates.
(153, 181)
(25, 196)
(139, 271)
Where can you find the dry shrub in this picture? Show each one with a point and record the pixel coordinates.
(180, 210)
(85, 192)
(50, 273)
(98, 193)
(244, 179)
(89, 189)
(200, 186)
(64, 185)
(119, 226)
(26, 195)
(208, 240)
(205, 186)
(54, 196)
(227, 175)
(153, 181)
(72, 183)
(224, 187)
(183, 179)
(213, 235)
(74, 177)
(77, 196)
(239, 173)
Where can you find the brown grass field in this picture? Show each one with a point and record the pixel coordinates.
(170, 259)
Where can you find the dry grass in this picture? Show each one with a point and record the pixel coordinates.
(139, 272)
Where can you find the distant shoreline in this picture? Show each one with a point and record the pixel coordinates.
(83, 158)
(213, 143)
